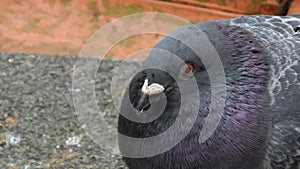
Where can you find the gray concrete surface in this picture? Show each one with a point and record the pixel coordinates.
(38, 117)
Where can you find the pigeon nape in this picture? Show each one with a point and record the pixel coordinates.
(259, 127)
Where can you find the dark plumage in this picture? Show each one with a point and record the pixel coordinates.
(260, 126)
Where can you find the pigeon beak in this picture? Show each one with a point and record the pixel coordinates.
(153, 89)
(143, 103)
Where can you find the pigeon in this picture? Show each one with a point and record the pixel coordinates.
(259, 127)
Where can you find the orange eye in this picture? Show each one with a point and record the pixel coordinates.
(187, 69)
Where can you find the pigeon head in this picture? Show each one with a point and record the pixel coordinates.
(177, 80)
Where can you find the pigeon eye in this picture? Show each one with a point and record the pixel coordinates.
(187, 69)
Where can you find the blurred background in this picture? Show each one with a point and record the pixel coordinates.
(61, 27)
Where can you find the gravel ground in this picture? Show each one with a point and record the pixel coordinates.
(39, 127)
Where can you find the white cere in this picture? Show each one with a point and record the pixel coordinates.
(154, 88)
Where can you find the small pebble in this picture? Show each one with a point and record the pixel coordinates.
(73, 141)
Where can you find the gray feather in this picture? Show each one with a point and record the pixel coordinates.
(281, 36)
